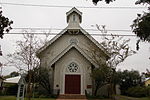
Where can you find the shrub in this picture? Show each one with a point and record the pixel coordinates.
(11, 89)
(148, 90)
(137, 91)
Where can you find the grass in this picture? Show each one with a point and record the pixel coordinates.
(14, 98)
(145, 98)
(131, 98)
(119, 98)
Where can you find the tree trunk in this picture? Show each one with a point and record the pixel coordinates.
(29, 93)
(112, 85)
(96, 89)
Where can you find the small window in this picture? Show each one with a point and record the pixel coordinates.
(74, 17)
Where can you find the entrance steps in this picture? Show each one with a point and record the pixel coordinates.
(71, 96)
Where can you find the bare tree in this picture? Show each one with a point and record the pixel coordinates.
(118, 49)
(24, 58)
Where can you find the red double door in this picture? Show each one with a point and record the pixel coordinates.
(72, 84)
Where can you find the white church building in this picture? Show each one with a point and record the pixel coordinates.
(69, 57)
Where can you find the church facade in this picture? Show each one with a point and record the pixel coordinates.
(69, 57)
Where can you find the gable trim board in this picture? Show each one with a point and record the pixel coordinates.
(95, 42)
(83, 31)
(51, 41)
(69, 48)
(72, 10)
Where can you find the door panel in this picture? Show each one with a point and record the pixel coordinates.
(72, 84)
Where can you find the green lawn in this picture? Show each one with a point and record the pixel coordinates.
(14, 98)
(131, 98)
(119, 98)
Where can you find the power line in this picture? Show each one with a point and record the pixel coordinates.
(52, 33)
(101, 34)
(58, 6)
(116, 30)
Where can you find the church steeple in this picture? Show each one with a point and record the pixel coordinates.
(74, 18)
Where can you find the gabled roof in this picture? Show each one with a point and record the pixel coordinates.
(79, 28)
(73, 45)
(12, 79)
(95, 42)
(83, 31)
(72, 10)
(51, 41)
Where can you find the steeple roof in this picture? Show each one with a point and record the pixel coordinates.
(74, 10)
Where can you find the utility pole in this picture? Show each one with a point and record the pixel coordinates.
(0, 51)
(1, 65)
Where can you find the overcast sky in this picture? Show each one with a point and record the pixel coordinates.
(55, 17)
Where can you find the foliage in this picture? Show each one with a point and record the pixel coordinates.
(138, 91)
(107, 1)
(14, 98)
(10, 89)
(146, 74)
(143, 2)
(34, 75)
(148, 91)
(24, 58)
(13, 74)
(5, 24)
(118, 49)
(43, 78)
(127, 79)
(137, 2)
(141, 26)
(101, 77)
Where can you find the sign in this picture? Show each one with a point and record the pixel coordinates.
(21, 88)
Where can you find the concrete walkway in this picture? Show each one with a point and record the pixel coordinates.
(71, 97)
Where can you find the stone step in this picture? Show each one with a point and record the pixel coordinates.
(71, 96)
